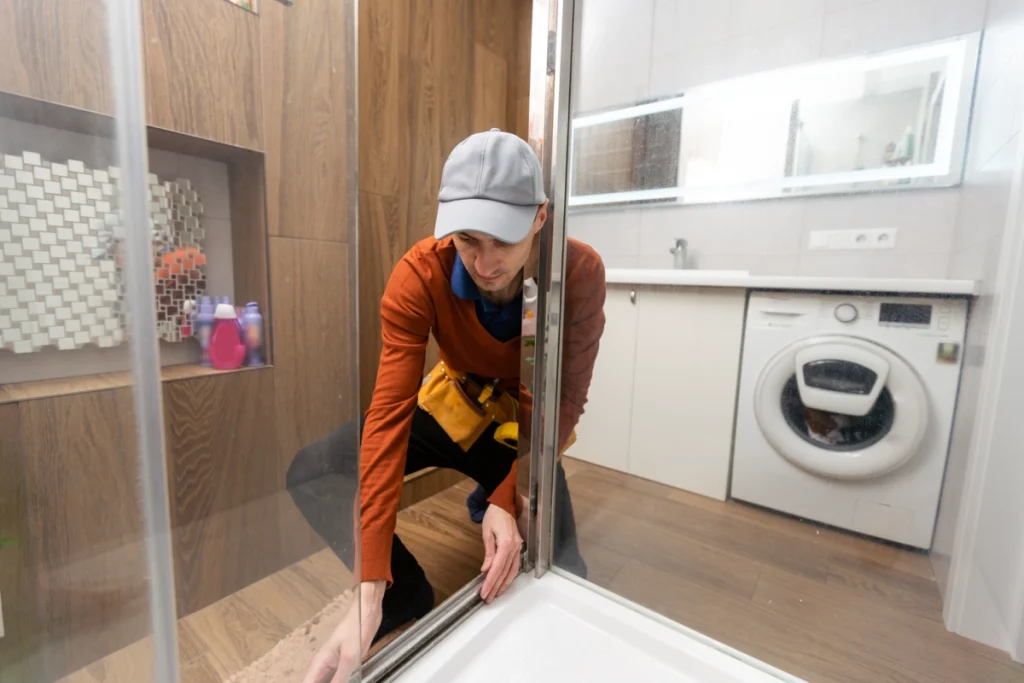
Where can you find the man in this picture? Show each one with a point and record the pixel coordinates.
(464, 286)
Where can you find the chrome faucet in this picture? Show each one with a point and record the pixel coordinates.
(679, 254)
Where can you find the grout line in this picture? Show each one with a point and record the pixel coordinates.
(307, 239)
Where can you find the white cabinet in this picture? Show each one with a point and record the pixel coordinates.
(662, 402)
(602, 436)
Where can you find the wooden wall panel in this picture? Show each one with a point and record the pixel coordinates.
(426, 80)
(305, 71)
(380, 247)
(56, 50)
(456, 92)
(519, 73)
(490, 90)
(383, 96)
(306, 63)
(313, 370)
(430, 74)
(312, 367)
(222, 453)
(203, 70)
(84, 525)
(25, 635)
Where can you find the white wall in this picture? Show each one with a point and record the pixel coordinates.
(210, 179)
(978, 550)
(649, 48)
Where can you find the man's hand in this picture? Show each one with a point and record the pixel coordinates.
(502, 544)
(338, 659)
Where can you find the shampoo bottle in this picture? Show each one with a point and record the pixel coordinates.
(202, 330)
(252, 323)
(226, 349)
(529, 309)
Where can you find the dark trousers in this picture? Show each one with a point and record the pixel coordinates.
(323, 477)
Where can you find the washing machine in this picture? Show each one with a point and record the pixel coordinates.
(845, 409)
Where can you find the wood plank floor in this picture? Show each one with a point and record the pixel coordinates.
(823, 605)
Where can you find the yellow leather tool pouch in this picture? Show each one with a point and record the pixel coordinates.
(462, 406)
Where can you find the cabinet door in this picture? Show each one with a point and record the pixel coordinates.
(684, 392)
(602, 436)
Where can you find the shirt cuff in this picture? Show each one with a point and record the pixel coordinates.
(505, 495)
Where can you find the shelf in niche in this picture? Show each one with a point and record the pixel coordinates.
(243, 238)
(52, 388)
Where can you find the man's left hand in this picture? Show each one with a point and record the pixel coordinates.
(502, 544)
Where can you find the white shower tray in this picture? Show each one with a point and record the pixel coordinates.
(553, 630)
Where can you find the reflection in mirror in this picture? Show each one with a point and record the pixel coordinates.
(810, 464)
(891, 120)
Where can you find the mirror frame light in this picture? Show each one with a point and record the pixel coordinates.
(961, 53)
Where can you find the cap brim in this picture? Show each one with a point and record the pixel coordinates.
(506, 222)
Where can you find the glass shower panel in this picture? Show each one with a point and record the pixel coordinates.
(758, 460)
(84, 546)
(253, 156)
(234, 443)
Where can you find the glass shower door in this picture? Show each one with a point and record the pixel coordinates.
(86, 548)
(177, 327)
(728, 162)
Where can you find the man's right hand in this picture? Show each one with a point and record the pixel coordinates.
(339, 658)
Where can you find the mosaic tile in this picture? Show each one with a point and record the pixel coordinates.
(60, 232)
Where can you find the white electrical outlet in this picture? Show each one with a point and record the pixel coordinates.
(869, 238)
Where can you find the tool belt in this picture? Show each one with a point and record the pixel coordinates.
(465, 405)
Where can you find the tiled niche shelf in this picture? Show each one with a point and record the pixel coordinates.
(248, 235)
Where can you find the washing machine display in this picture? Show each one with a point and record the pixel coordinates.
(845, 409)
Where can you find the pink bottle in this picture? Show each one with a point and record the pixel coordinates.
(226, 348)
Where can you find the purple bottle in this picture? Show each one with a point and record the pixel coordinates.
(252, 324)
(203, 328)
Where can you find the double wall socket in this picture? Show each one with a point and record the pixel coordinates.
(869, 238)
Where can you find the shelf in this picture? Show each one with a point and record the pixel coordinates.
(51, 388)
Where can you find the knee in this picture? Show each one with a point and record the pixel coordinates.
(336, 453)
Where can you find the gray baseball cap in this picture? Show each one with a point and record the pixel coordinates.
(492, 183)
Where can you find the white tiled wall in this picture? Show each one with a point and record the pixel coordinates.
(650, 48)
(209, 178)
(984, 242)
(772, 237)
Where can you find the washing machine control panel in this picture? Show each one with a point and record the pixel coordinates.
(846, 313)
(891, 316)
(909, 315)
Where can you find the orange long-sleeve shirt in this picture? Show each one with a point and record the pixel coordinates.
(419, 301)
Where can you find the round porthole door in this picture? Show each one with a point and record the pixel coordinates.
(841, 407)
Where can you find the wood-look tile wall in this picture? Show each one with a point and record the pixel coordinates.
(203, 70)
(56, 51)
(203, 67)
(70, 470)
(430, 74)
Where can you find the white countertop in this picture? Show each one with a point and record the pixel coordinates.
(742, 279)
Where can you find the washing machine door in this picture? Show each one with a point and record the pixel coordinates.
(841, 407)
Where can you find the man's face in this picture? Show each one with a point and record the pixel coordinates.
(492, 264)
